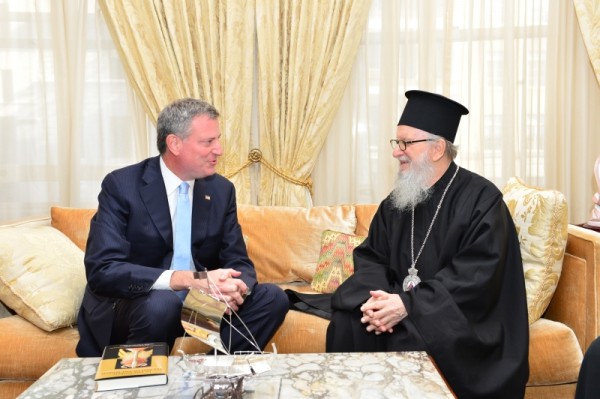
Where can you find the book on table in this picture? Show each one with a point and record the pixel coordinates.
(133, 366)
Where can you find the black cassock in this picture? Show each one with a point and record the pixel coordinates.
(470, 310)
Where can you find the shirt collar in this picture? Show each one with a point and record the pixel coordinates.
(171, 180)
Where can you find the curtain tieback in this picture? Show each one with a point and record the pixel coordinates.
(255, 156)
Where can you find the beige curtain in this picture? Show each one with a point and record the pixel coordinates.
(588, 14)
(572, 117)
(305, 55)
(188, 48)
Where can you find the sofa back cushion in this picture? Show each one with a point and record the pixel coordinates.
(540, 217)
(73, 222)
(364, 216)
(284, 242)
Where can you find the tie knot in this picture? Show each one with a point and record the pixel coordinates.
(183, 188)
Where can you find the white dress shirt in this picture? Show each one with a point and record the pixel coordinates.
(172, 183)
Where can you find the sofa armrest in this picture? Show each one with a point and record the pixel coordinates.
(575, 302)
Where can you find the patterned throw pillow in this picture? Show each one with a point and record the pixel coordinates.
(540, 217)
(335, 263)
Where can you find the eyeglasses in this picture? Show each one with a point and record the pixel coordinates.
(401, 144)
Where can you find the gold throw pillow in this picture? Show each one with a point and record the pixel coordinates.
(540, 217)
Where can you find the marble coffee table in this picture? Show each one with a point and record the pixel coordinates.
(319, 375)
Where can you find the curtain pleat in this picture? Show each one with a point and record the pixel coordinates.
(588, 15)
(201, 49)
(305, 54)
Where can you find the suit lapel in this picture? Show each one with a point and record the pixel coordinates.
(154, 196)
(200, 210)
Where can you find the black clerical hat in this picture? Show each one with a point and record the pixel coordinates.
(433, 113)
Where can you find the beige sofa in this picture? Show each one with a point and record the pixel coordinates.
(284, 243)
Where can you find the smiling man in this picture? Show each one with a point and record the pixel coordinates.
(166, 225)
(441, 269)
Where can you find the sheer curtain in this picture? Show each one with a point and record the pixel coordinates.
(66, 112)
(504, 60)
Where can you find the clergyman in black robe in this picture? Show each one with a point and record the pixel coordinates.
(464, 300)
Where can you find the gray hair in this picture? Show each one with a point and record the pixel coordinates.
(451, 148)
(176, 118)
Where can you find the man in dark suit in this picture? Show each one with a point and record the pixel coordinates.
(134, 292)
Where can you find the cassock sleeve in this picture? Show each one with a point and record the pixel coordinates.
(371, 268)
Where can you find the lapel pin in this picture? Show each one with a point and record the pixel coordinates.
(207, 197)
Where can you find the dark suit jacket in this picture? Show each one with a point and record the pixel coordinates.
(131, 241)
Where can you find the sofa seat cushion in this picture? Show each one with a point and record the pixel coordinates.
(300, 333)
(12, 389)
(28, 351)
(189, 345)
(554, 354)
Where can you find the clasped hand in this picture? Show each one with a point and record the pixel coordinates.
(382, 311)
(223, 284)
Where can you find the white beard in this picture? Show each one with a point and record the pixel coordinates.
(412, 187)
